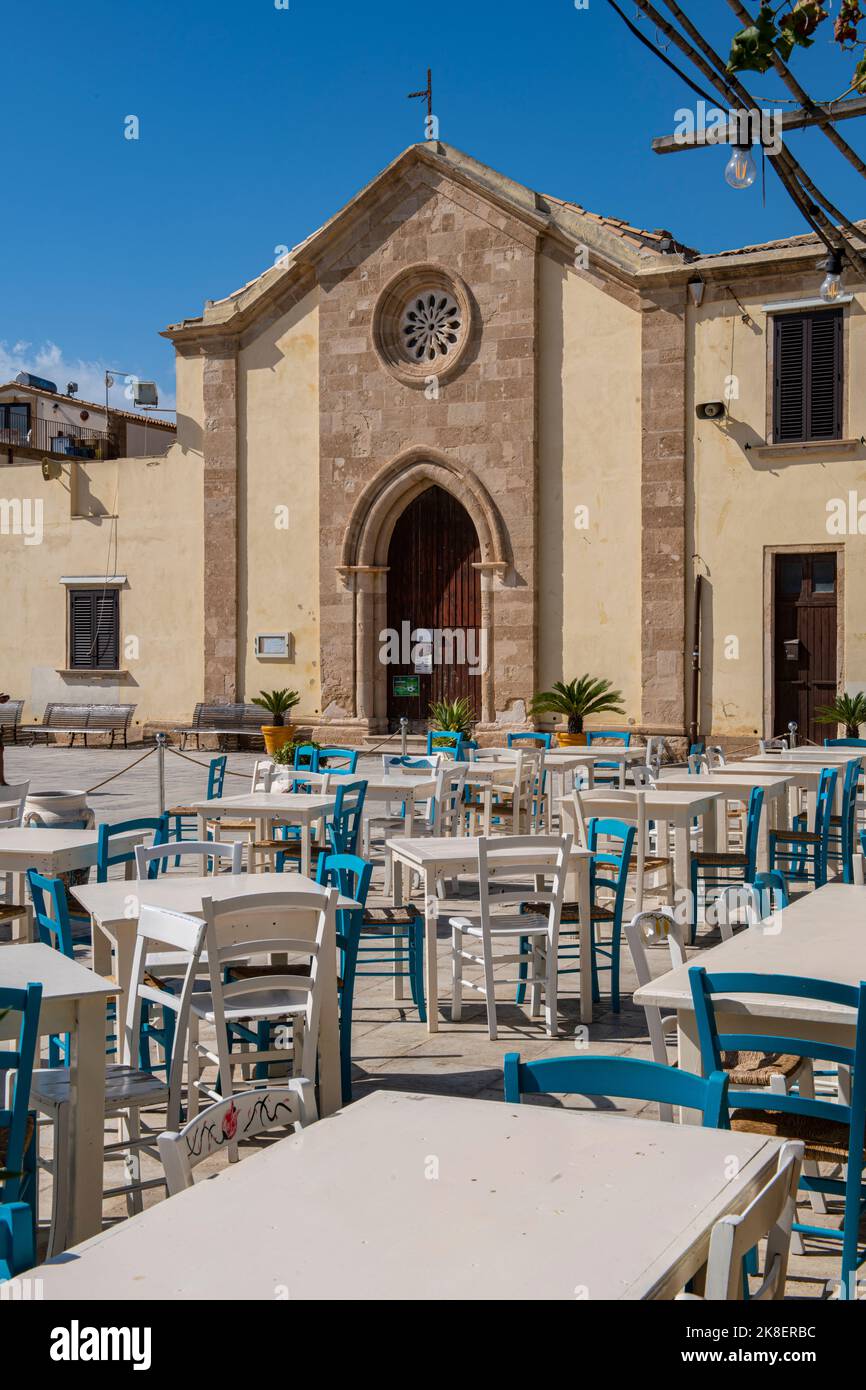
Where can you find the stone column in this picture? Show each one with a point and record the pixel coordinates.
(220, 449)
(663, 512)
(488, 701)
(368, 582)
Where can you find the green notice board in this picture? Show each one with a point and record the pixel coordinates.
(405, 686)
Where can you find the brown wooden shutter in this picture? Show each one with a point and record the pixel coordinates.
(94, 629)
(807, 381)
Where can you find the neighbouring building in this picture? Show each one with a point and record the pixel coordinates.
(468, 408)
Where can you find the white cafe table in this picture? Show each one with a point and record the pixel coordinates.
(114, 909)
(738, 786)
(802, 776)
(447, 856)
(73, 1002)
(807, 753)
(52, 852)
(264, 808)
(820, 936)
(408, 788)
(667, 808)
(428, 1197)
(568, 759)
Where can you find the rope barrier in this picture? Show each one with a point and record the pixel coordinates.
(115, 775)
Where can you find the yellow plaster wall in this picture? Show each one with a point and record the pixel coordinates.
(589, 457)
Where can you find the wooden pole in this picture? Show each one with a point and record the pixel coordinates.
(3, 700)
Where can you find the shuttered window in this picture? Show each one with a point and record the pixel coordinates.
(807, 366)
(94, 629)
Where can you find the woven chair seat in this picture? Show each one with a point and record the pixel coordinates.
(826, 1141)
(291, 848)
(651, 863)
(570, 912)
(29, 1130)
(758, 1068)
(720, 859)
(235, 824)
(182, 811)
(9, 911)
(252, 972)
(390, 917)
(799, 837)
(156, 982)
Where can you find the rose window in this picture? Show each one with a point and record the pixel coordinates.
(431, 326)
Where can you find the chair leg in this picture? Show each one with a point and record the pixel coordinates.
(456, 975)
(416, 968)
(193, 1068)
(489, 991)
(551, 1003)
(132, 1163)
(60, 1177)
(538, 972)
(614, 966)
(522, 970)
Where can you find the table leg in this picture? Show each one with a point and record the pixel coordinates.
(306, 854)
(681, 854)
(86, 1118)
(409, 814)
(397, 901)
(22, 927)
(431, 958)
(689, 1056)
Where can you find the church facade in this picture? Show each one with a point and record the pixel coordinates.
(468, 439)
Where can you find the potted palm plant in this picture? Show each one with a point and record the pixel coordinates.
(451, 717)
(277, 703)
(849, 710)
(576, 700)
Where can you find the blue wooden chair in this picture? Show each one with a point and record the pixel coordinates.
(845, 742)
(719, 869)
(105, 859)
(17, 1241)
(337, 760)
(772, 889)
(840, 836)
(55, 930)
(623, 1078)
(306, 757)
(542, 740)
(802, 852)
(445, 741)
(609, 771)
(342, 828)
(609, 871)
(18, 1184)
(184, 819)
(832, 1131)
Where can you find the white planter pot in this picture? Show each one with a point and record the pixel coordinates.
(49, 808)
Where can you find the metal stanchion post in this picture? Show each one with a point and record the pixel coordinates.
(160, 770)
(404, 725)
(792, 733)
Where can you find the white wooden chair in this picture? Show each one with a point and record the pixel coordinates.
(646, 863)
(12, 801)
(642, 775)
(127, 1090)
(504, 865)
(263, 775)
(511, 786)
(240, 931)
(242, 1116)
(769, 1216)
(231, 852)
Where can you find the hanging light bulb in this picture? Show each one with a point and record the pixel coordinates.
(741, 169)
(831, 285)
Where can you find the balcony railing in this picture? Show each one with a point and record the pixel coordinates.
(59, 439)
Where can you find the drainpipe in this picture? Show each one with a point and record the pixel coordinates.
(694, 721)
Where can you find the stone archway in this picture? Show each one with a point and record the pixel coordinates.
(364, 566)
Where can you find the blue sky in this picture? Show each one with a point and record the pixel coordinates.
(258, 123)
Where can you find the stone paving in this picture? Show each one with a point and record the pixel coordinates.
(391, 1048)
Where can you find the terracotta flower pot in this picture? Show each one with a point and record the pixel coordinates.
(567, 740)
(276, 735)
